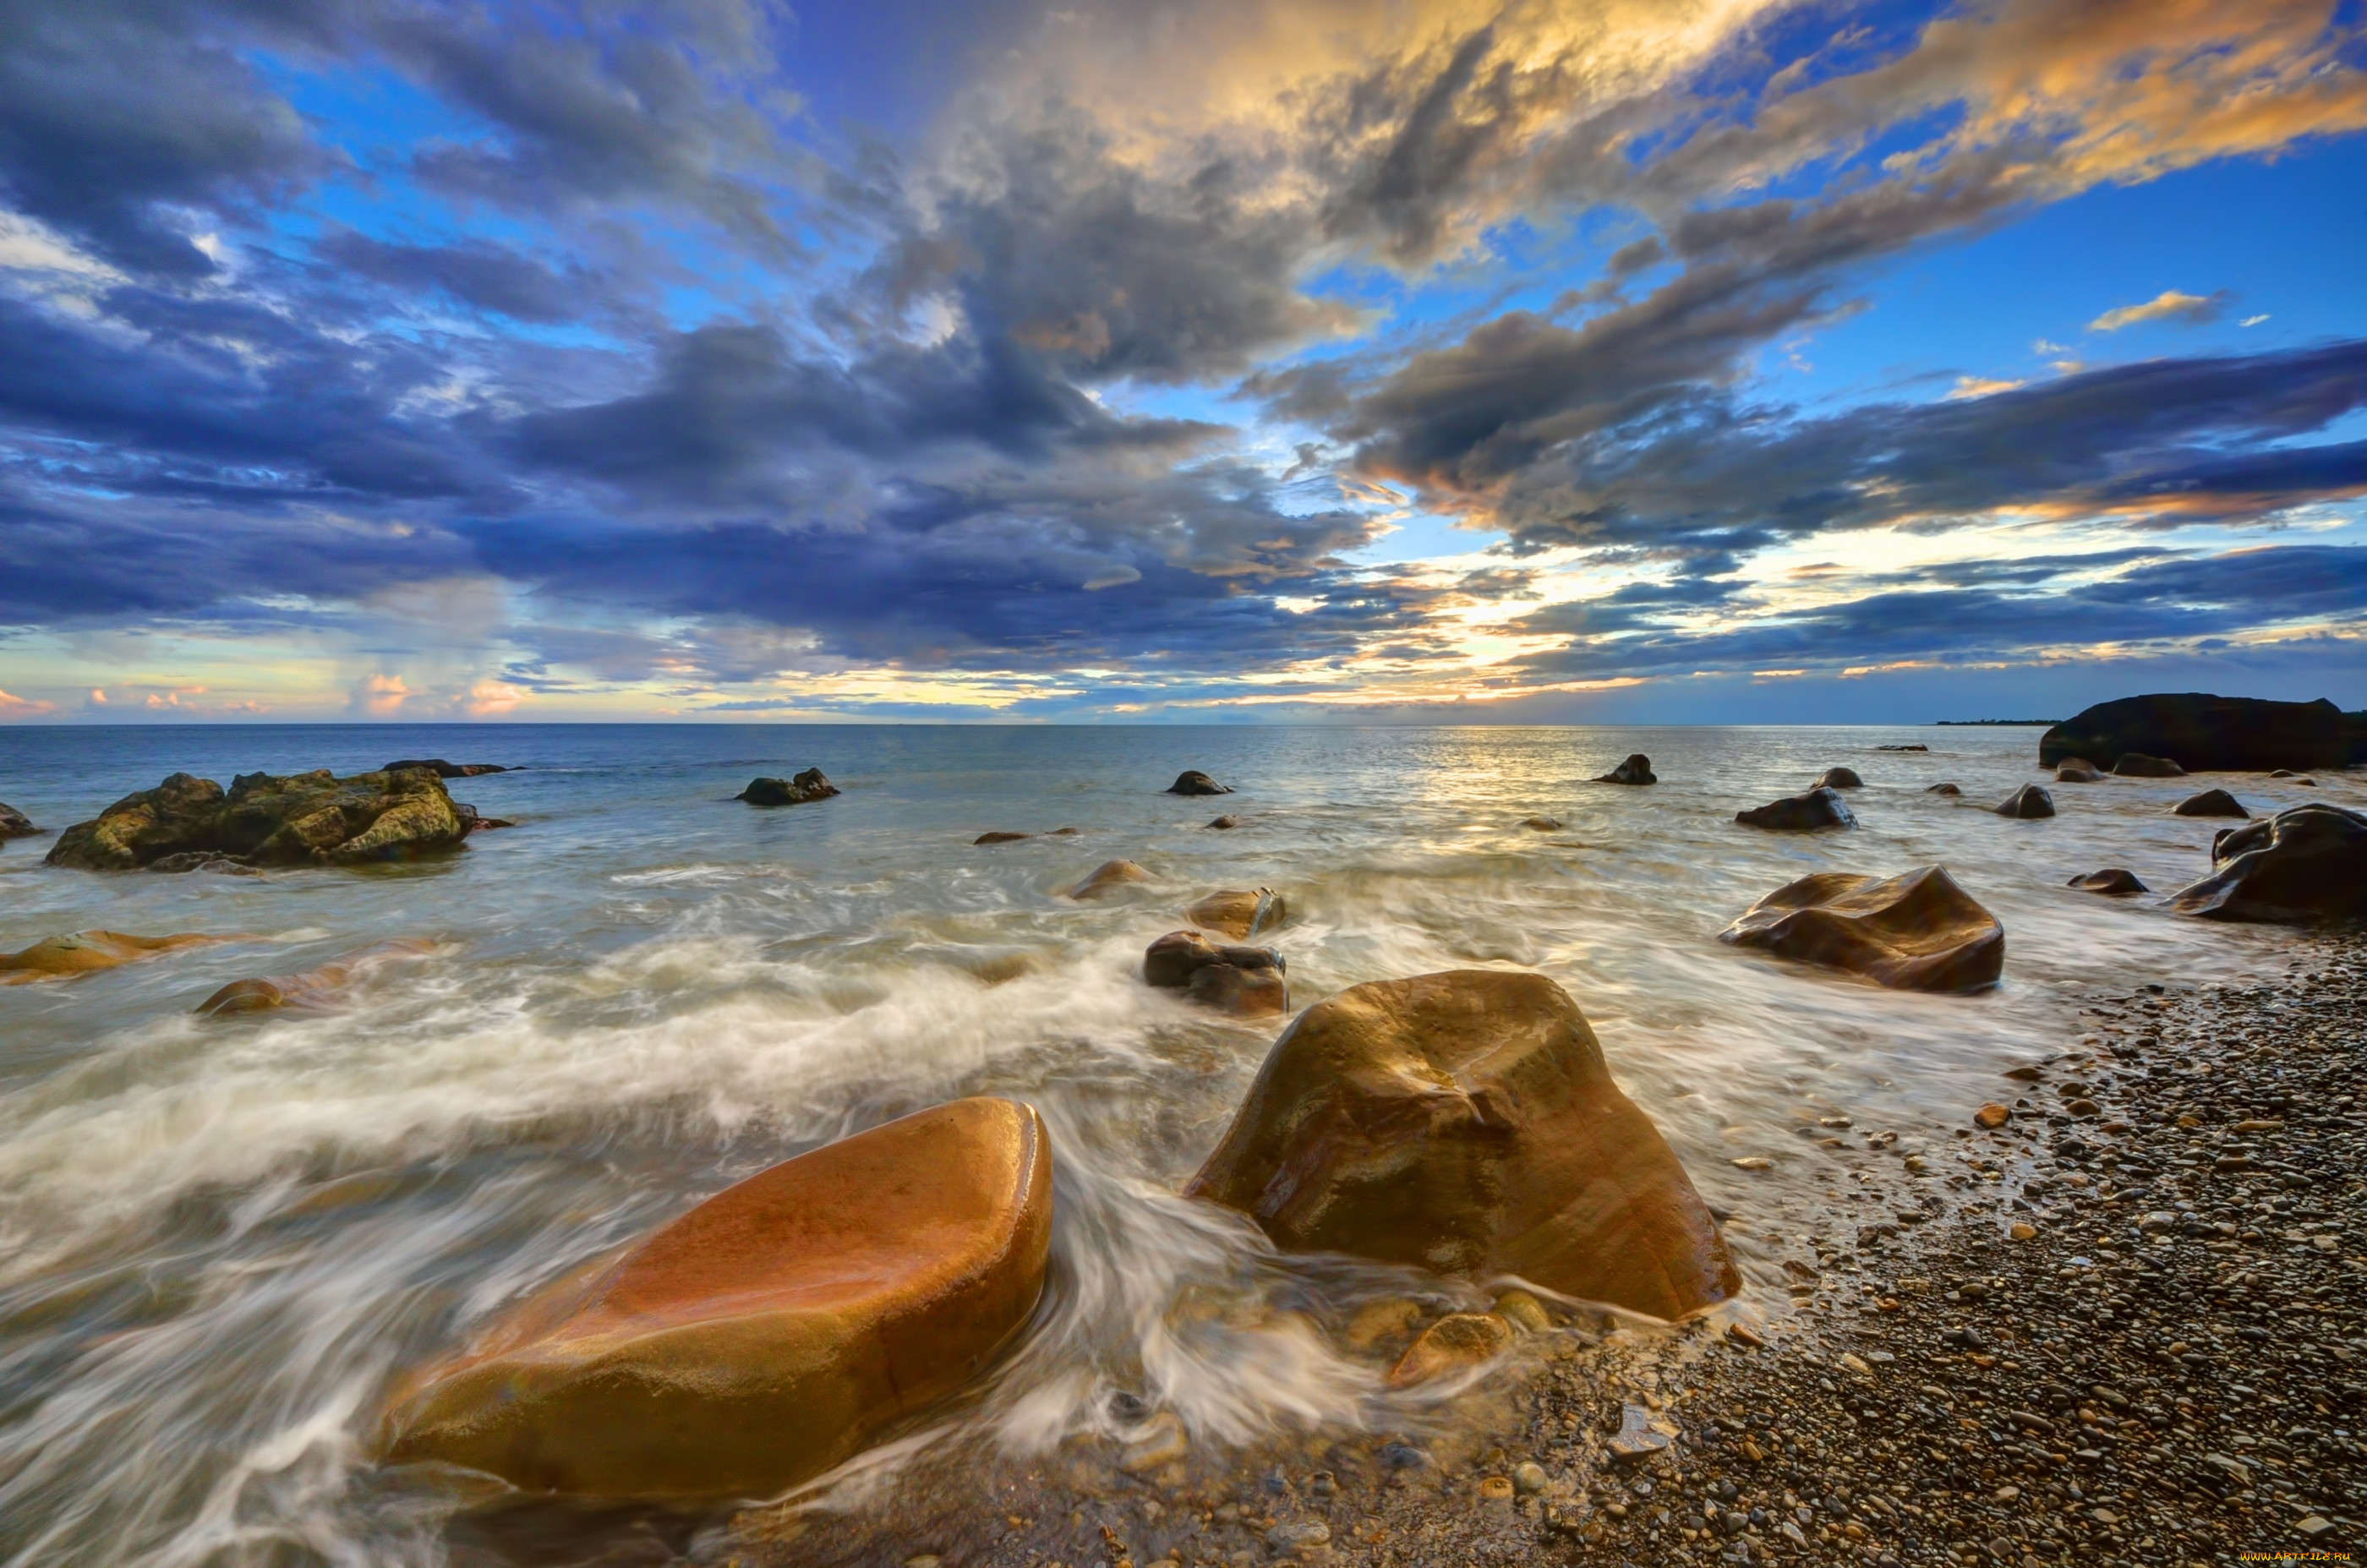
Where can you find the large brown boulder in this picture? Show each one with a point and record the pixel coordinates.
(87, 952)
(1820, 808)
(1917, 932)
(807, 786)
(2298, 866)
(2230, 734)
(1239, 913)
(766, 1334)
(1635, 770)
(265, 820)
(1465, 1123)
(1248, 982)
(15, 824)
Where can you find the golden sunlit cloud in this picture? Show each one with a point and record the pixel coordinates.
(2169, 305)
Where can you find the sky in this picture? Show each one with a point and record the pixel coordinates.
(1364, 361)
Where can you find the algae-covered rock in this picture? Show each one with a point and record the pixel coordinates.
(1466, 1123)
(768, 1334)
(265, 820)
(807, 786)
(15, 824)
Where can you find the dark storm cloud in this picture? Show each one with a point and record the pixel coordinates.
(2162, 601)
(487, 276)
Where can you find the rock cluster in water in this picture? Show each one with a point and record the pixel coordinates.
(1918, 930)
(263, 819)
(1248, 982)
(807, 786)
(2305, 864)
(1465, 1123)
(766, 1334)
(2202, 731)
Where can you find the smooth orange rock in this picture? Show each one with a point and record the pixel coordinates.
(1918, 931)
(1110, 873)
(1466, 1121)
(87, 952)
(1993, 1114)
(766, 1334)
(1458, 1340)
(1237, 913)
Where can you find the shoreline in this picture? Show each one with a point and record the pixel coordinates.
(2168, 1368)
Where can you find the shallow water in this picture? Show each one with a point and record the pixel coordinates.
(217, 1236)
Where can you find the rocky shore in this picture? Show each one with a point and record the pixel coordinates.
(2122, 1324)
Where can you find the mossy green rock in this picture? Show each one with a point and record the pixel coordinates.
(302, 818)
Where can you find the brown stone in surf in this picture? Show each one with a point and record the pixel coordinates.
(1918, 932)
(1838, 778)
(1466, 1123)
(2299, 866)
(1239, 913)
(1248, 982)
(2078, 770)
(1942, 789)
(767, 1334)
(810, 786)
(1454, 1343)
(2210, 803)
(1225, 823)
(311, 991)
(1109, 875)
(15, 824)
(1820, 808)
(1192, 780)
(88, 953)
(2137, 766)
(1635, 770)
(1001, 838)
(2114, 880)
(2028, 802)
(1542, 824)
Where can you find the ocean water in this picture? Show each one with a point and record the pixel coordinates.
(218, 1237)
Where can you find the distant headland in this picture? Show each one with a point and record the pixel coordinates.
(2009, 723)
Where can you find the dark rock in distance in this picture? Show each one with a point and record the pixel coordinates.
(2137, 766)
(2308, 863)
(1918, 746)
(1838, 778)
(1820, 808)
(1943, 789)
(1192, 780)
(269, 820)
(2215, 733)
(1001, 838)
(1918, 930)
(1249, 981)
(2114, 880)
(1635, 770)
(808, 785)
(444, 770)
(15, 824)
(2029, 801)
(2210, 803)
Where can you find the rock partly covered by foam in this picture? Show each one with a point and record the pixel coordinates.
(1635, 770)
(2305, 864)
(1465, 1123)
(1239, 913)
(2232, 734)
(1107, 877)
(2029, 801)
(1542, 824)
(2114, 880)
(1918, 931)
(807, 786)
(444, 770)
(87, 952)
(766, 1334)
(264, 820)
(1820, 808)
(2210, 803)
(2138, 766)
(1839, 778)
(15, 824)
(1192, 780)
(315, 990)
(1248, 982)
(1941, 789)
(2078, 770)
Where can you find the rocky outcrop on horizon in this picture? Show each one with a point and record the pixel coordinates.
(267, 820)
(2205, 733)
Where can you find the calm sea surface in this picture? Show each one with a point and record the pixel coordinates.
(216, 1237)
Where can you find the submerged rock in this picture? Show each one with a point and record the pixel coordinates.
(2078, 770)
(1001, 838)
(1918, 930)
(87, 952)
(1239, 913)
(1838, 778)
(2028, 802)
(2137, 766)
(2112, 880)
(1192, 780)
(444, 770)
(1248, 982)
(2305, 864)
(15, 824)
(1457, 1341)
(1635, 770)
(2226, 734)
(766, 1334)
(1224, 823)
(2210, 803)
(1110, 873)
(1465, 1123)
(265, 820)
(1918, 746)
(807, 786)
(1942, 789)
(315, 990)
(1542, 824)
(1820, 808)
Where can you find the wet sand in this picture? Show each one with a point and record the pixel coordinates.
(2126, 1327)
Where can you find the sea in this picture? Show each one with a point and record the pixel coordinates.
(220, 1238)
